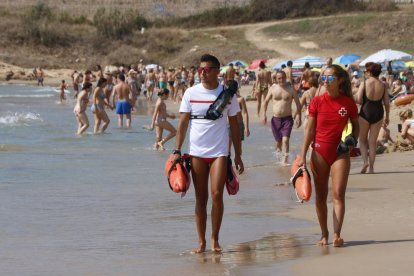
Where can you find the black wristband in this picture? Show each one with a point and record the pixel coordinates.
(177, 151)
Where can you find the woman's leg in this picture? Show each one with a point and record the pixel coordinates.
(97, 122)
(372, 143)
(199, 172)
(158, 137)
(320, 170)
(217, 178)
(363, 142)
(105, 119)
(85, 122)
(168, 126)
(340, 172)
(259, 102)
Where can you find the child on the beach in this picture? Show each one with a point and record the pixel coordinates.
(62, 88)
(159, 120)
(407, 127)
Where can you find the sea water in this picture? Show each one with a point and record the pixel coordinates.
(101, 205)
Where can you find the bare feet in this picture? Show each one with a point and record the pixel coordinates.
(155, 146)
(338, 242)
(371, 170)
(364, 168)
(200, 249)
(323, 241)
(215, 246)
(160, 145)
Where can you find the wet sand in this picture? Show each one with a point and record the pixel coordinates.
(377, 229)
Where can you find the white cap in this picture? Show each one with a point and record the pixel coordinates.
(355, 73)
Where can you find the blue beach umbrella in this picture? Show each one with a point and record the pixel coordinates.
(347, 59)
(238, 62)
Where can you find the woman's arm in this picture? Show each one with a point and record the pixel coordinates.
(245, 116)
(360, 93)
(308, 138)
(355, 128)
(386, 101)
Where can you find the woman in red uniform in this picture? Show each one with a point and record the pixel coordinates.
(328, 115)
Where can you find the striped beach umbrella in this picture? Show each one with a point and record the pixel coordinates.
(313, 62)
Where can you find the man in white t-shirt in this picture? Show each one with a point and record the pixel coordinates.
(208, 147)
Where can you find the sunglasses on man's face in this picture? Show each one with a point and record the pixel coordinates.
(330, 78)
(205, 69)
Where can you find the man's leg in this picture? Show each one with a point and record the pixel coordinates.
(128, 120)
(217, 178)
(199, 172)
(120, 120)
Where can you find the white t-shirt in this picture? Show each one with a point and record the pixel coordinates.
(208, 138)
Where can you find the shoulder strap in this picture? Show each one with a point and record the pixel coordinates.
(205, 116)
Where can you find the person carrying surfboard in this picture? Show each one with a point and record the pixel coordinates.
(209, 145)
(328, 116)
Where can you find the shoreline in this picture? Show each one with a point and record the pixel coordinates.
(376, 227)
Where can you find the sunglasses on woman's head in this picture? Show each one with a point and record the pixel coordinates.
(330, 78)
(205, 69)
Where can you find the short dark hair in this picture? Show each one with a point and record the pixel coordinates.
(307, 65)
(121, 77)
(210, 58)
(101, 81)
(373, 68)
(289, 63)
(262, 65)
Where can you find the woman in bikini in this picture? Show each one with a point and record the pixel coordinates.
(328, 115)
(150, 81)
(99, 101)
(373, 97)
(159, 121)
(308, 95)
(80, 108)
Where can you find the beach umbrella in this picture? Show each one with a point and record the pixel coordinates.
(278, 66)
(386, 55)
(410, 64)
(223, 69)
(151, 66)
(313, 62)
(397, 65)
(239, 63)
(255, 63)
(347, 59)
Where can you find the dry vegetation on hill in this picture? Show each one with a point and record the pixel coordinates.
(53, 38)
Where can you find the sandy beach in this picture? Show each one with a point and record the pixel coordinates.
(378, 227)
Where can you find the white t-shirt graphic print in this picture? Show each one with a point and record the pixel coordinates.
(207, 138)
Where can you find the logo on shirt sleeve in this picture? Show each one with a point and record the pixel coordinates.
(342, 112)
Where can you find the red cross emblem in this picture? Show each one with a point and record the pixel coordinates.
(342, 111)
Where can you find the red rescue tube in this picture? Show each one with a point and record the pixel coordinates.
(404, 100)
(301, 181)
(177, 175)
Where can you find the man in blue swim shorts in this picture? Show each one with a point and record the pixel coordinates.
(282, 95)
(122, 93)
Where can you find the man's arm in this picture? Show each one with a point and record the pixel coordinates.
(181, 132)
(298, 108)
(235, 137)
(266, 102)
